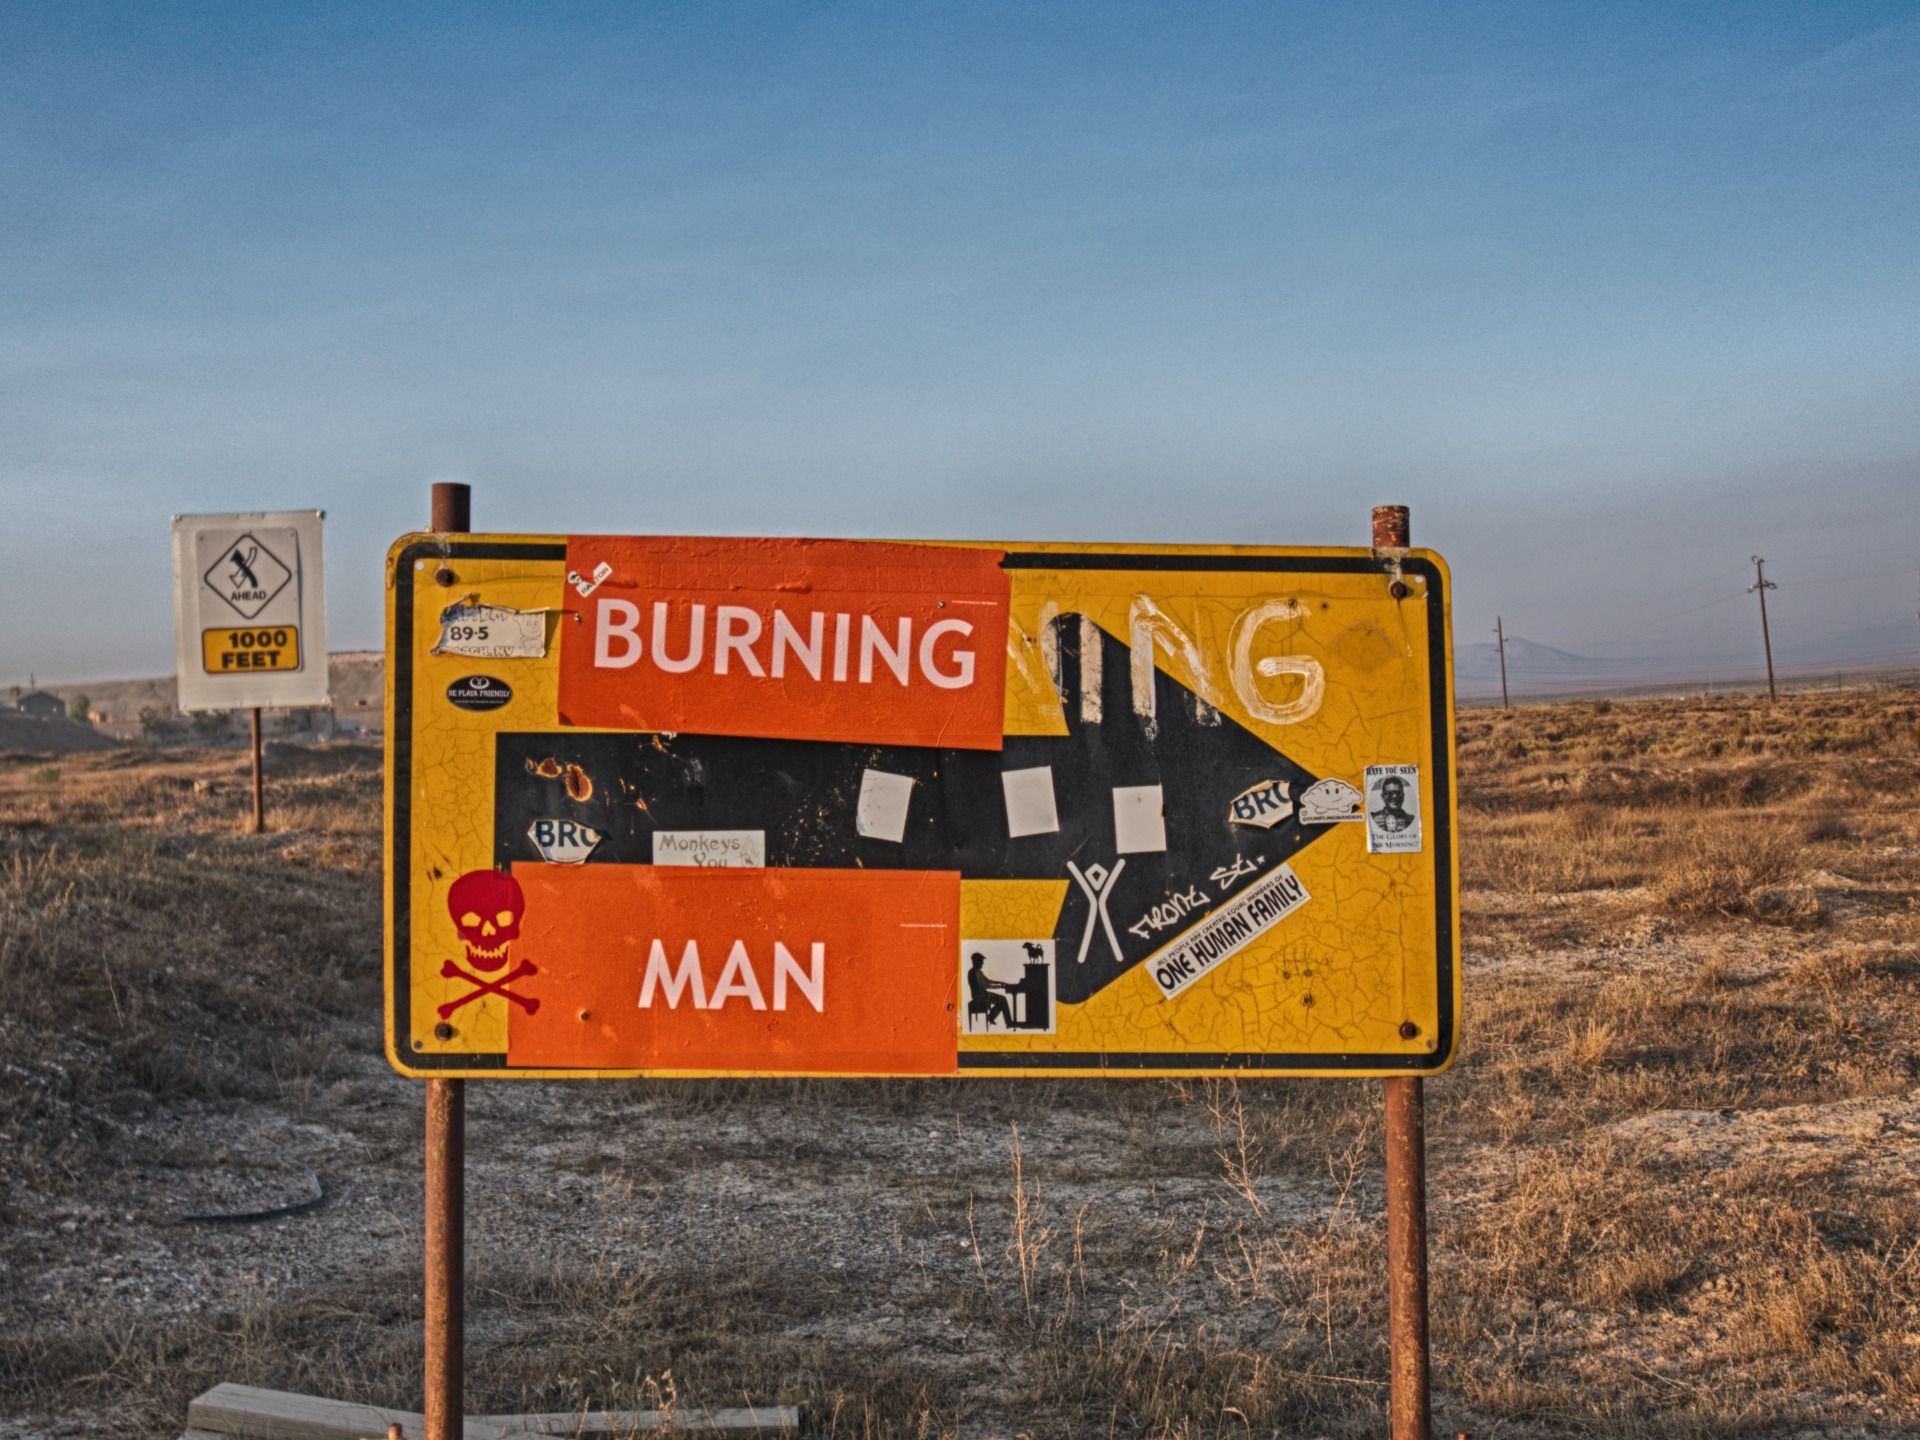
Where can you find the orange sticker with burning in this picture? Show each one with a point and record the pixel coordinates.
(786, 639)
(643, 967)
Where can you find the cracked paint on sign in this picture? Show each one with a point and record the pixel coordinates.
(1316, 660)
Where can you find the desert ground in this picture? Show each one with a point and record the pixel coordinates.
(1674, 1177)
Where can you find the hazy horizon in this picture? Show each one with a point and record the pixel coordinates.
(1613, 301)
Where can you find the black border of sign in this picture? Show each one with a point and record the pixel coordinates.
(1440, 809)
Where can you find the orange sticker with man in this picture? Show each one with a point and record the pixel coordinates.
(787, 639)
(785, 971)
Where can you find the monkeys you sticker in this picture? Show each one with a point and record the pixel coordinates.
(1393, 809)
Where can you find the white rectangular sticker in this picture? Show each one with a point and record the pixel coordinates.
(1227, 931)
(492, 632)
(713, 849)
(1393, 809)
(881, 812)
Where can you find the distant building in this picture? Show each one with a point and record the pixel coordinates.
(41, 705)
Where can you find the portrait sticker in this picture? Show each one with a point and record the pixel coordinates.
(1393, 809)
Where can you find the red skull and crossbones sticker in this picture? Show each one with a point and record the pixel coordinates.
(486, 907)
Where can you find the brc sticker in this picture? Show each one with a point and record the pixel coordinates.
(563, 842)
(1262, 806)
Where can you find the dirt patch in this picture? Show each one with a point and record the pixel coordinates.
(24, 736)
(281, 761)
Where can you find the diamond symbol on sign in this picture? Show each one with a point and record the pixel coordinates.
(247, 576)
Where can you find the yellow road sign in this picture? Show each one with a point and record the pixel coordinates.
(250, 649)
(678, 806)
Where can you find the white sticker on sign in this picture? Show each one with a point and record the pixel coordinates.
(492, 632)
(1330, 802)
(1030, 804)
(1139, 819)
(881, 813)
(1228, 930)
(1393, 809)
(711, 849)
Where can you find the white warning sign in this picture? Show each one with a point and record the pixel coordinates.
(250, 624)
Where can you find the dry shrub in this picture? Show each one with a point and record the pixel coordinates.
(1754, 872)
(1572, 847)
(1589, 1045)
(1830, 825)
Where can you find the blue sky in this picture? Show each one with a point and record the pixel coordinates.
(1614, 297)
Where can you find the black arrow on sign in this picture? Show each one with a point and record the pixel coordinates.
(1120, 907)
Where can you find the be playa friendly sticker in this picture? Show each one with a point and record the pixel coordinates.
(1393, 809)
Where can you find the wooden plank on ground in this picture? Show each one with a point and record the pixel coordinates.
(246, 1412)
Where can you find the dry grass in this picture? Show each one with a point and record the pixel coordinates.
(1673, 1175)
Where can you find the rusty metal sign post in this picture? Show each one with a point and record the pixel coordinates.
(446, 1239)
(1411, 1396)
(882, 809)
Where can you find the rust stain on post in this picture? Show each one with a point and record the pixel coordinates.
(1391, 527)
(1411, 1401)
(452, 508)
(445, 1257)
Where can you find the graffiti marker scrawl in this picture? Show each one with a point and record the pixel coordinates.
(1228, 930)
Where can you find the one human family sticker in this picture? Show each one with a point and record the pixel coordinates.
(1393, 809)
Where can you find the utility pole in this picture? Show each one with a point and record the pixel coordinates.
(1500, 634)
(1760, 587)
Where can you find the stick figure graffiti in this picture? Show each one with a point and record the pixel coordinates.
(486, 907)
(1098, 883)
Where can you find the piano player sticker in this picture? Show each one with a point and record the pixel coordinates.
(1007, 987)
